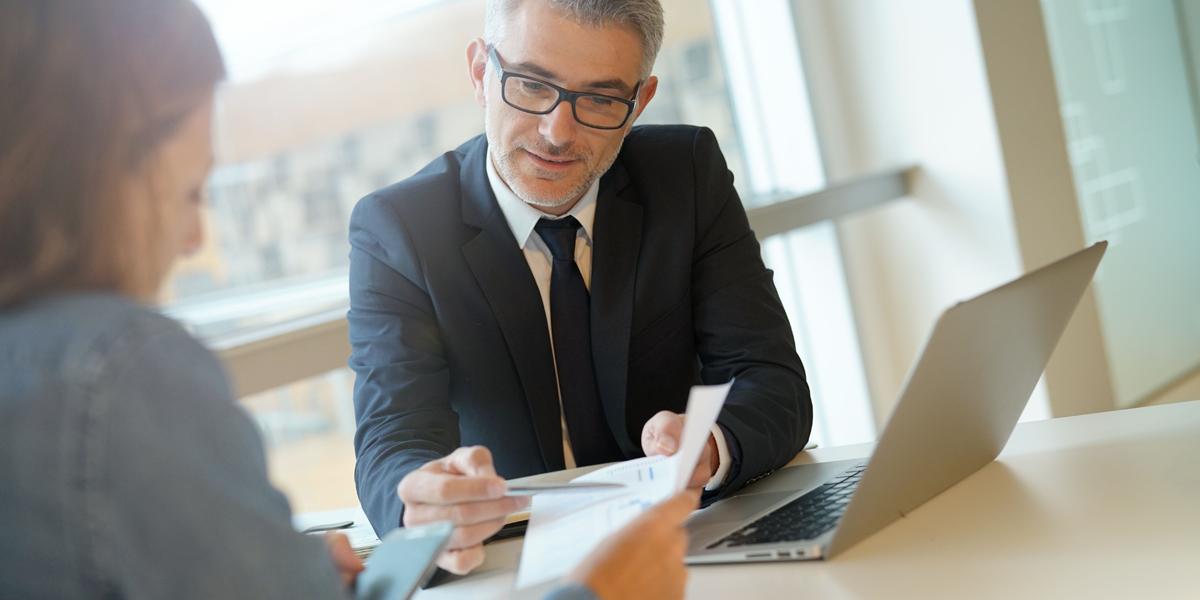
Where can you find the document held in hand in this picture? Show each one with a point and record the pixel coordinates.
(564, 528)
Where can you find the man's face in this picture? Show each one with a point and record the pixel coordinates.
(550, 160)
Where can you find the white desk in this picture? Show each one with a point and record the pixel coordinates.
(1097, 506)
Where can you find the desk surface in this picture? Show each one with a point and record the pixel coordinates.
(1097, 506)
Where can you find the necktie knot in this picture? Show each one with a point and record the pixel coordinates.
(559, 235)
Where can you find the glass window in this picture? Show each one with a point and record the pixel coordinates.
(308, 432)
(328, 101)
(771, 107)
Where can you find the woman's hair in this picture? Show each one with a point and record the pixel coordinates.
(89, 90)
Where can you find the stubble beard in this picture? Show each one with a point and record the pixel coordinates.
(506, 159)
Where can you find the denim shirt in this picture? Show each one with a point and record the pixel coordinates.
(128, 471)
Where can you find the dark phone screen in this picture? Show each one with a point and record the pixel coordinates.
(403, 561)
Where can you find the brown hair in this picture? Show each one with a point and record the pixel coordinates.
(89, 89)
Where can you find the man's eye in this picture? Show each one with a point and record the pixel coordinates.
(533, 87)
(598, 104)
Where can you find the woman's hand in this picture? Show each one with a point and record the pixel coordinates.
(345, 560)
(644, 560)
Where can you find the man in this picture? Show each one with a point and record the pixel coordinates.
(553, 289)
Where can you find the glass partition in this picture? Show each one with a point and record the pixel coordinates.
(1124, 70)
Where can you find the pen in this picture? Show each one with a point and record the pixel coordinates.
(329, 527)
(529, 489)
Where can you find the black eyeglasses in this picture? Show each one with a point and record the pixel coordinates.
(538, 97)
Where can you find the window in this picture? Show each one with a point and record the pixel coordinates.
(771, 104)
(308, 430)
(321, 108)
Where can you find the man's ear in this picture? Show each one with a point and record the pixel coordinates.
(645, 95)
(477, 59)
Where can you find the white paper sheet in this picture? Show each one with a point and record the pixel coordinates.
(564, 528)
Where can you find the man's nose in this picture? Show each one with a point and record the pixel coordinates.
(558, 126)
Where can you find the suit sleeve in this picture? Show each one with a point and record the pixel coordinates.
(401, 391)
(742, 331)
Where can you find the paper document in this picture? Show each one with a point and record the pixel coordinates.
(564, 528)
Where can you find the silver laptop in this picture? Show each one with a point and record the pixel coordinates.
(956, 411)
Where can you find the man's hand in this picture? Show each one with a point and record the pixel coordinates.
(462, 488)
(644, 560)
(661, 435)
(344, 559)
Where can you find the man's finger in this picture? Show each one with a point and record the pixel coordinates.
(460, 562)
(700, 476)
(348, 564)
(465, 513)
(661, 433)
(475, 461)
(704, 470)
(474, 535)
(431, 487)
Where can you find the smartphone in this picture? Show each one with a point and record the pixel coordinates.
(404, 560)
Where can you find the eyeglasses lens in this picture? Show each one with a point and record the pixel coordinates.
(536, 97)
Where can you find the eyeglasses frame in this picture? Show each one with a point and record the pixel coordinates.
(564, 95)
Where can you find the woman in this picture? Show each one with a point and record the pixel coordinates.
(126, 468)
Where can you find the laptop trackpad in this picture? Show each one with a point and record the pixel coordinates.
(737, 508)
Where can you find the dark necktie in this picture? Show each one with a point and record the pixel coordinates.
(570, 322)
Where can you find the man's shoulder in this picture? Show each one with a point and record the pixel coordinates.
(667, 142)
(677, 164)
(429, 189)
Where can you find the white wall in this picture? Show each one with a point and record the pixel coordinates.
(897, 83)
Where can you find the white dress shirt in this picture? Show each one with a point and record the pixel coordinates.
(522, 218)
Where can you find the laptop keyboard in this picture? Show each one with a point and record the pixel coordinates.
(805, 517)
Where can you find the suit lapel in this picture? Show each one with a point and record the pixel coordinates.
(618, 239)
(503, 274)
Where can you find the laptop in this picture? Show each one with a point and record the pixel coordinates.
(956, 411)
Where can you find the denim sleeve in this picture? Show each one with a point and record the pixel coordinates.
(178, 502)
(574, 591)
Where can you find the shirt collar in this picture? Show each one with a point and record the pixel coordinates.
(522, 217)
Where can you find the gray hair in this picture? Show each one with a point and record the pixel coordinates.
(644, 16)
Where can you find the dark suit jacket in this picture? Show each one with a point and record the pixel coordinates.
(449, 332)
